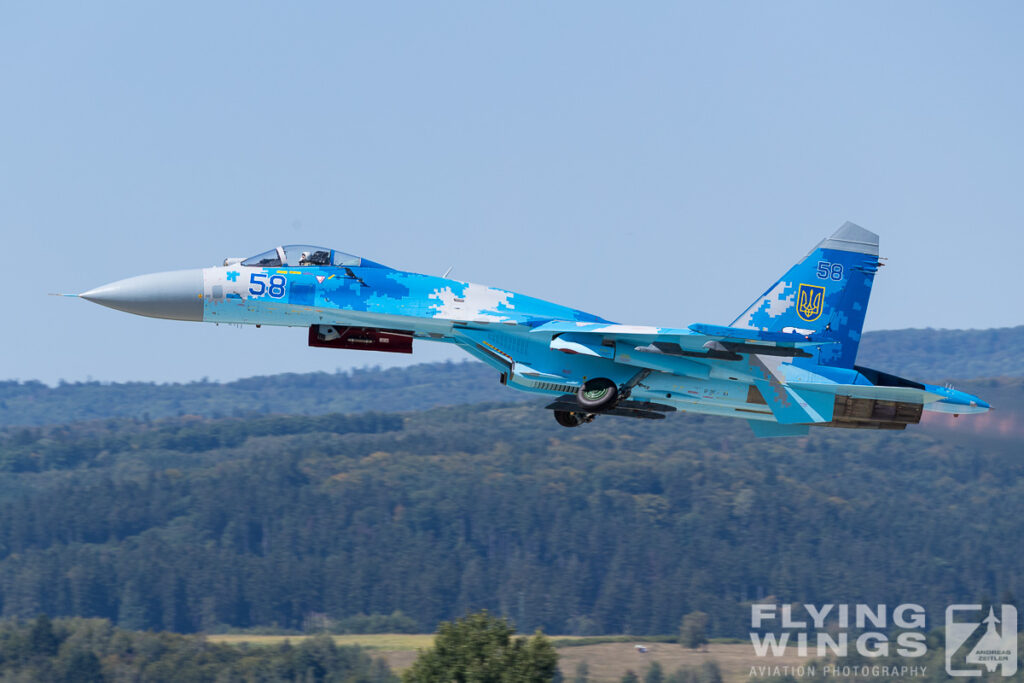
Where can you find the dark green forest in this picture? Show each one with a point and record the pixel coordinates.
(318, 393)
(94, 651)
(208, 521)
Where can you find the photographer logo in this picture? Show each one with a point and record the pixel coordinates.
(967, 655)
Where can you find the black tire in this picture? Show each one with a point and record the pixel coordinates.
(568, 418)
(597, 393)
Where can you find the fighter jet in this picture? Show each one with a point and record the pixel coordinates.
(785, 364)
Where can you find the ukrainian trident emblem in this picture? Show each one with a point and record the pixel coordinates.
(809, 302)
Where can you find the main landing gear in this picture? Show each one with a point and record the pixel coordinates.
(571, 418)
(595, 395)
(601, 396)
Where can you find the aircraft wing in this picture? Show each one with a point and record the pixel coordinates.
(699, 340)
(759, 353)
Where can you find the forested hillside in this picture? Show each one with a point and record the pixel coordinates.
(938, 355)
(927, 355)
(200, 522)
(317, 393)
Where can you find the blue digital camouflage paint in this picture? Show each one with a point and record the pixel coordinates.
(787, 363)
(825, 295)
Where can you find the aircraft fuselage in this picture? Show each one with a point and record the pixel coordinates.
(781, 377)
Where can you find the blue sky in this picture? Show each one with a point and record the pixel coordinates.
(653, 163)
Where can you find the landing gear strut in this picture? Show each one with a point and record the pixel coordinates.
(568, 418)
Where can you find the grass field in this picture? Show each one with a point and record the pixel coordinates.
(609, 661)
(606, 661)
(398, 649)
(373, 641)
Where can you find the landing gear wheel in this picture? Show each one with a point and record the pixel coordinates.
(597, 393)
(568, 418)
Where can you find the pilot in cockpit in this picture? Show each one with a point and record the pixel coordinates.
(315, 258)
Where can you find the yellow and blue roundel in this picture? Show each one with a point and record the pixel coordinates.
(809, 302)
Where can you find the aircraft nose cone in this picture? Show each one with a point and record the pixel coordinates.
(176, 295)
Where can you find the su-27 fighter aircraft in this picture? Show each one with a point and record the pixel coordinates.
(786, 364)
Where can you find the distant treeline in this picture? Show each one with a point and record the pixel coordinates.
(936, 356)
(26, 449)
(927, 355)
(317, 393)
(94, 651)
(189, 524)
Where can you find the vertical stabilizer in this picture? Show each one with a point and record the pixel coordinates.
(825, 294)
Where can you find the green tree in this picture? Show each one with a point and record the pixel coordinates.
(131, 612)
(81, 666)
(693, 630)
(710, 672)
(42, 641)
(479, 648)
(630, 677)
(582, 672)
(654, 673)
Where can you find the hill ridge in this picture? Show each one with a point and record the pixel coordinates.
(935, 356)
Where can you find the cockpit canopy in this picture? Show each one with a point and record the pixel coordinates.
(305, 255)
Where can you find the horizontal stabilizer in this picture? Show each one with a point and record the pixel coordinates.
(790, 406)
(898, 394)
